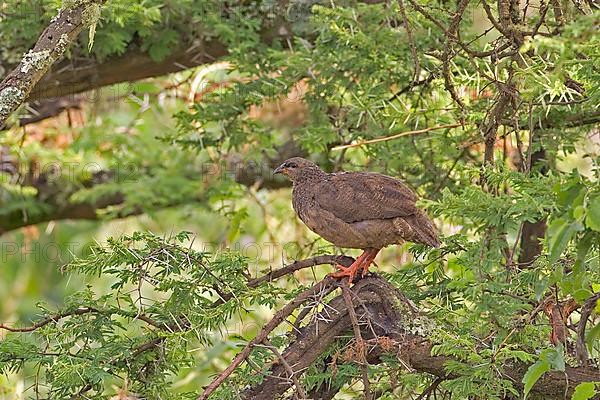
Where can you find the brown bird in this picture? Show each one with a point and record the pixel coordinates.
(360, 210)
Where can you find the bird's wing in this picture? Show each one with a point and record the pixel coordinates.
(360, 196)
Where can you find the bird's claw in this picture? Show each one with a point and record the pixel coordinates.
(349, 272)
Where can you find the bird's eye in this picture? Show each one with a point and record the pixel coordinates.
(291, 165)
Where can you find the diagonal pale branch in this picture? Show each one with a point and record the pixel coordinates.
(279, 317)
(396, 136)
(300, 393)
(51, 45)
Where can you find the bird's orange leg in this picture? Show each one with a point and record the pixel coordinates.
(363, 261)
(370, 255)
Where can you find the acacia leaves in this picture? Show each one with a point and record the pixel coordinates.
(165, 298)
(525, 198)
(160, 309)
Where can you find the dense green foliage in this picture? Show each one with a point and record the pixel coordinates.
(513, 146)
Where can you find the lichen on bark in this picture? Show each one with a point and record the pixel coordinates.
(35, 60)
(10, 98)
(63, 43)
(89, 16)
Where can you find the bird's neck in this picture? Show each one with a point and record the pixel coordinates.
(310, 176)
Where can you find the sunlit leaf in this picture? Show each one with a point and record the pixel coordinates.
(593, 214)
(584, 391)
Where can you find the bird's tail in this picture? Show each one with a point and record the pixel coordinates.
(424, 230)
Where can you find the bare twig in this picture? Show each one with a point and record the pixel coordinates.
(79, 311)
(147, 346)
(291, 268)
(427, 392)
(360, 344)
(300, 392)
(586, 310)
(427, 15)
(452, 36)
(411, 41)
(441, 183)
(530, 144)
(314, 305)
(396, 136)
(411, 85)
(301, 264)
(54, 318)
(492, 19)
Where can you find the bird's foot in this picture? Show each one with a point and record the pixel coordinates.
(349, 272)
(363, 261)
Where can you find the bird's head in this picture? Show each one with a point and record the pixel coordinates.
(296, 167)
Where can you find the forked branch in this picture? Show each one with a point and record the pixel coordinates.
(50, 46)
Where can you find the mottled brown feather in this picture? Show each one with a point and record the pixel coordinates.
(360, 196)
(357, 209)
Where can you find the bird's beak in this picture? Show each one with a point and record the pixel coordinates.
(280, 170)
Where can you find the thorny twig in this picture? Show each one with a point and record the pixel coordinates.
(360, 344)
(431, 389)
(300, 392)
(291, 268)
(411, 40)
(263, 334)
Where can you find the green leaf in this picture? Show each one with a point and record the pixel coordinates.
(533, 374)
(584, 391)
(572, 196)
(550, 359)
(592, 220)
(236, 221)
(160, 47)
(583, 247)
(592, 335)
(560, 236)
(556, 357)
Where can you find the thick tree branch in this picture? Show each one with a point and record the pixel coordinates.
(51, 45)
(75, 76)
(586, 311)
(301, 264)
(71, 77)
(392, 331)
(56, 206)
